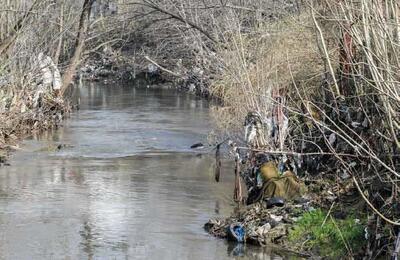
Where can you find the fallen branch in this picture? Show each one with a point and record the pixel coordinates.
(163, 69)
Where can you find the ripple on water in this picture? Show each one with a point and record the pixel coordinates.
(126, 186)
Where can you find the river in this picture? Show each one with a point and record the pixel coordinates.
(124, 185)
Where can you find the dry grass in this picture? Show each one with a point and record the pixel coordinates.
(337, 69)
(270, 59)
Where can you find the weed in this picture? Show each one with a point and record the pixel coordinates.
(329, 237)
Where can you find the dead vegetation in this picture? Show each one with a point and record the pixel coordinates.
(331, 73)
(23, 115)
(31, 57)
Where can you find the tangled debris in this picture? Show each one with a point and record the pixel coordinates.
(262, 225)
(279, 196)
(275, 196)
(28, 111)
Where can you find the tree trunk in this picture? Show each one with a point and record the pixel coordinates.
(79, 45)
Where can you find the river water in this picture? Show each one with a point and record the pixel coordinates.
(124, 185)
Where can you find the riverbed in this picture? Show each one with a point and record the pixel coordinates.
(119, 181)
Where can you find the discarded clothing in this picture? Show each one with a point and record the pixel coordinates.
(286, 186)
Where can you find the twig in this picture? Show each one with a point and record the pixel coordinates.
(302, 154)
(327, 215)
(328, 60)
(162, 68)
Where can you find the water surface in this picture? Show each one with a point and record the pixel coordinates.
(125, 186)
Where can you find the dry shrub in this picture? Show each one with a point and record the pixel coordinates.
(270, 59)
(356, 126)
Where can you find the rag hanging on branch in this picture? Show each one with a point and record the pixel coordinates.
(237, 196)
(218, 162)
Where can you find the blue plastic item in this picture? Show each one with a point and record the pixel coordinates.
(236, 232)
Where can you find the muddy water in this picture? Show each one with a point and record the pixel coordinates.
(125, 186)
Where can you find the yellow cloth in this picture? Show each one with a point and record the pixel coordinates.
(287, 186)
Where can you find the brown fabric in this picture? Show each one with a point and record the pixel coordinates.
(269, 171)
(287, 186)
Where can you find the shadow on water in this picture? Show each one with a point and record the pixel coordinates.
(126, 184)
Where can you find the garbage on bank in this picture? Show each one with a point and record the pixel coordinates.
(274, 201)
(274, 198)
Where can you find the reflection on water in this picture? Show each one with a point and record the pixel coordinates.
(126, 186)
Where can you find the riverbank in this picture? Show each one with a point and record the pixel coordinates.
(311, 226)
(25, 113)
(126, 66)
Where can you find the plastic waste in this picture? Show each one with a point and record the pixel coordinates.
(236, 232)
(275, 202)
(197, 146)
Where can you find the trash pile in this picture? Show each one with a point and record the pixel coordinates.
(275, 196)
(275, 200)
(261, 223)
(110, 65)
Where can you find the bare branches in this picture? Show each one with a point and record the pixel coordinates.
(160, 9)
(162, 68)
(6, 43)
